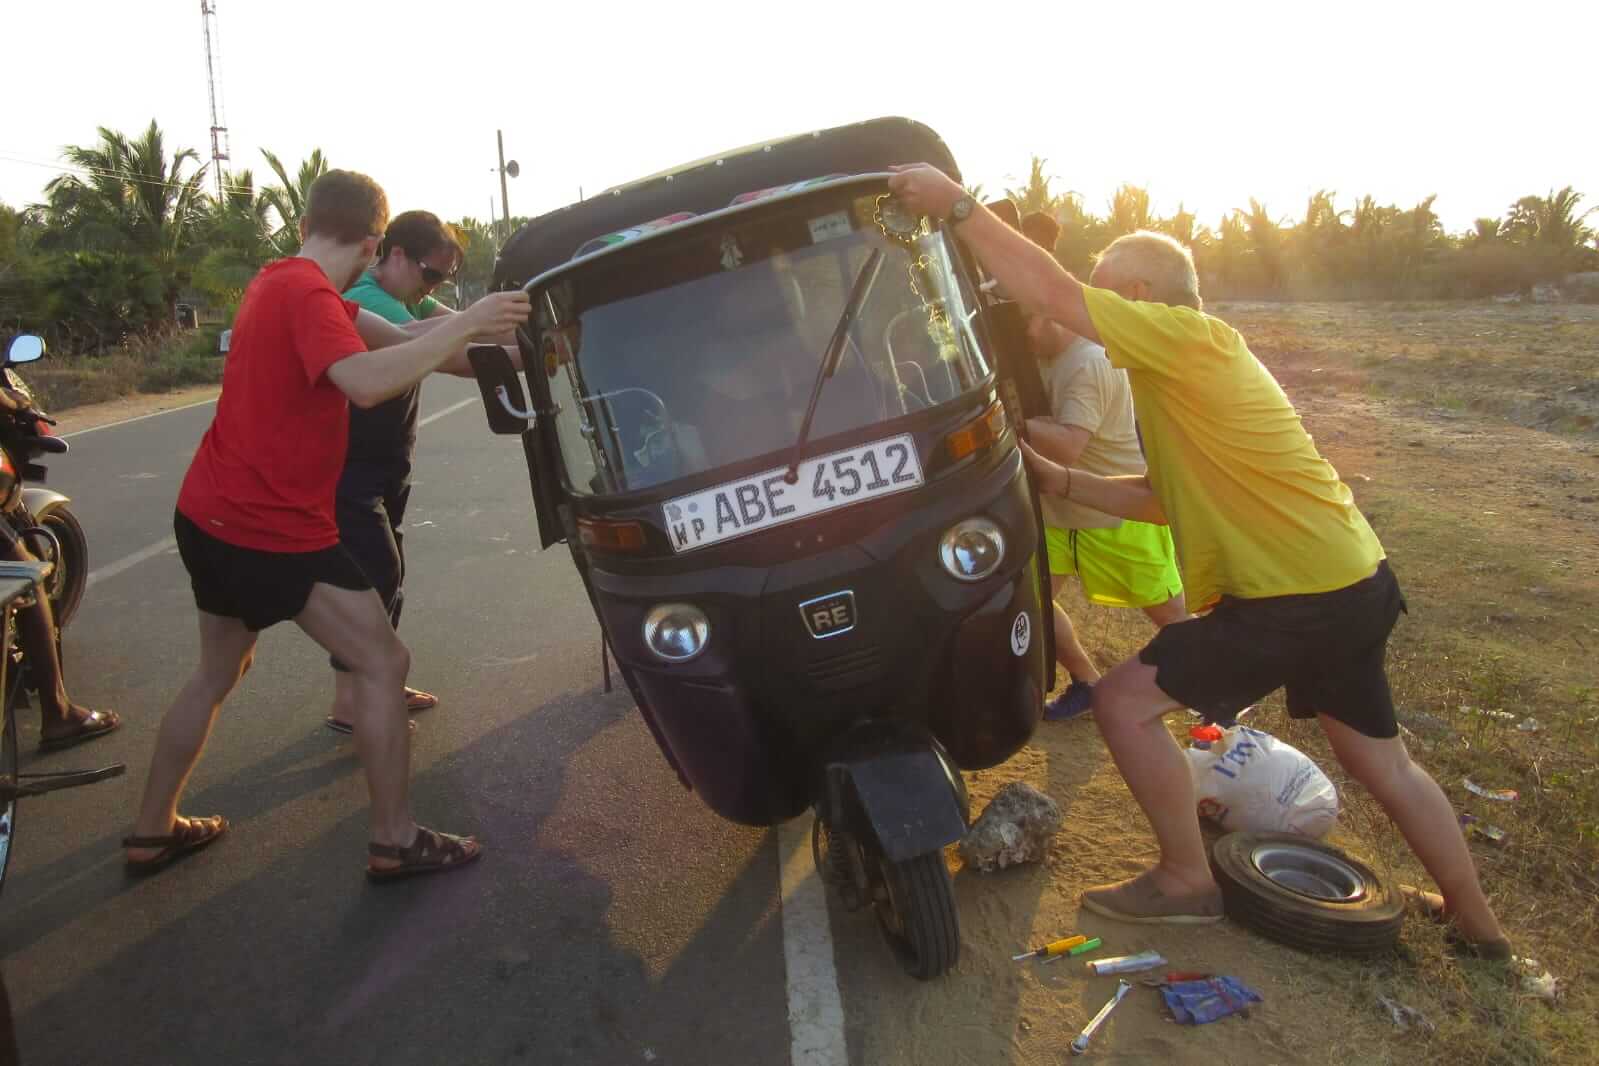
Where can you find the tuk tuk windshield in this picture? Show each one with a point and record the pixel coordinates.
(691, 354)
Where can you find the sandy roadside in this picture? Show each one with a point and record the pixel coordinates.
(94, 415)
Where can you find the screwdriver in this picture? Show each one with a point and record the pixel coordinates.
(1059, 947)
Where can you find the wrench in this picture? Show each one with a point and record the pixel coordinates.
(1080, 1045)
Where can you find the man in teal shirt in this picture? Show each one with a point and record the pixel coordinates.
(417, 254)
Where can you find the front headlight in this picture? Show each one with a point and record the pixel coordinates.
(676, 632)
(972, 549)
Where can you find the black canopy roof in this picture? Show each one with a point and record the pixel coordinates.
(711, 184)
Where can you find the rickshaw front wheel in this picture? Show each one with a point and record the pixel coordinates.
(914, 901)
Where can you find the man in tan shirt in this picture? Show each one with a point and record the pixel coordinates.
(1121, 563)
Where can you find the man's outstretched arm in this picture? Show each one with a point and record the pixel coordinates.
(1129, 496)
(399, 361)
(1028, 273)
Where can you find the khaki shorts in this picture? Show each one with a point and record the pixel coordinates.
(1133, 565)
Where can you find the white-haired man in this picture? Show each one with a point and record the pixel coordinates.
(1293, 585)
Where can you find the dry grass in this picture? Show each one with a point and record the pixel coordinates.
(144, 365)
(1468, 435)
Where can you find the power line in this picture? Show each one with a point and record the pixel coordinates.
(101, 172)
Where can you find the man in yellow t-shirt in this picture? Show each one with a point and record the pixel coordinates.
(1293, 584)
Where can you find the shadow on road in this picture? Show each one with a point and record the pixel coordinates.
(513, 960)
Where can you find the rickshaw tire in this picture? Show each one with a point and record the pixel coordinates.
(923, 897)
(1361, 927)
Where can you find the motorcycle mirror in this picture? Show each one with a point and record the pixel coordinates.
(25, 348)
(503, 399)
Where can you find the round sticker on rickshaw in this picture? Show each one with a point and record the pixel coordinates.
(1021, 634)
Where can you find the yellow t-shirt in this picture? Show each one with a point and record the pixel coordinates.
(1254, 509)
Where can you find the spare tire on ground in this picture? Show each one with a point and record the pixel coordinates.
(1306, 894)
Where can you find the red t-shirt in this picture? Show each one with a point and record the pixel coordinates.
(266, 471)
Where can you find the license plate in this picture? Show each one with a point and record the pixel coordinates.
(826, 483)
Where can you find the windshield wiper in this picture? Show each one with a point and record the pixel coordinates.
(835, 348)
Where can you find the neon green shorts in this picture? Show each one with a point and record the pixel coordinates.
(1133, 565)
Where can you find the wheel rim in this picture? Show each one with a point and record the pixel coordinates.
(1310, 873)
(56, 586)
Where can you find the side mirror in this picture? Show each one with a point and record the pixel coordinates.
(25, 348)
(503, 399)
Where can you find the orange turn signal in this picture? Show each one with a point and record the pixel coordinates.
(978, 434)
(610, 536)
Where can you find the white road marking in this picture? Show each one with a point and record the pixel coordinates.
(168, 543)
(815, 1009)
(130, 561)
(137, 418)
(436, 415)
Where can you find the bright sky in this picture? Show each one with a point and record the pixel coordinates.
(1208, 102)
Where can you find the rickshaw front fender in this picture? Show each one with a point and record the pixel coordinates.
(892, 784)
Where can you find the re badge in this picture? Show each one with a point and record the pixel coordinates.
(829, 616)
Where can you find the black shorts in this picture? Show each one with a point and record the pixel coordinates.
(370, 508)
(1326, 649)
(259, 588)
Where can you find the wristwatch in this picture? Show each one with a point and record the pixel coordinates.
(961, 210)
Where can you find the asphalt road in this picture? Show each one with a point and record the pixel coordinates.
(613, 920)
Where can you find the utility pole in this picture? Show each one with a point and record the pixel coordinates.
(213, 64)
(505, 168)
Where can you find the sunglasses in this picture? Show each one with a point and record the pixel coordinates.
(433, 275)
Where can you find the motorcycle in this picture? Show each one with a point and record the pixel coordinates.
(20, 583)
(774, 418)
(42, 517)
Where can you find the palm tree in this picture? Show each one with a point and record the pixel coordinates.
(238, 238)
(1551, 223)
(1181, 225)
(1035, 195)
(288, 197)
(1485, 231)
(129, 197)
(1317, 241)
(1129, 211)
(1266, 242)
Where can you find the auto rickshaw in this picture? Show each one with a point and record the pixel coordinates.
(769, 420)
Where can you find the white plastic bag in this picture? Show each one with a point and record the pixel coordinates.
(1251, 781)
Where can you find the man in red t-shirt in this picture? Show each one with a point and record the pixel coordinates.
(255, 519)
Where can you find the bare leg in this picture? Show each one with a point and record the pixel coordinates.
(1164, 614)
(1424, 816)
(1128, 706)
(226, 648)
(1068, 652)
(343, 696)
(37, 634)
(354, 627)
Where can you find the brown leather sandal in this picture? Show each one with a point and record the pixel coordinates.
(188, 836)
(91, 725)
(431, 852)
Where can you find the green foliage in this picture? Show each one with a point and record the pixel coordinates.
(88, 301)
(1368, 251)
(288, 197)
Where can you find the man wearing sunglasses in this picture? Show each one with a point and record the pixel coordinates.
(418, 253)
